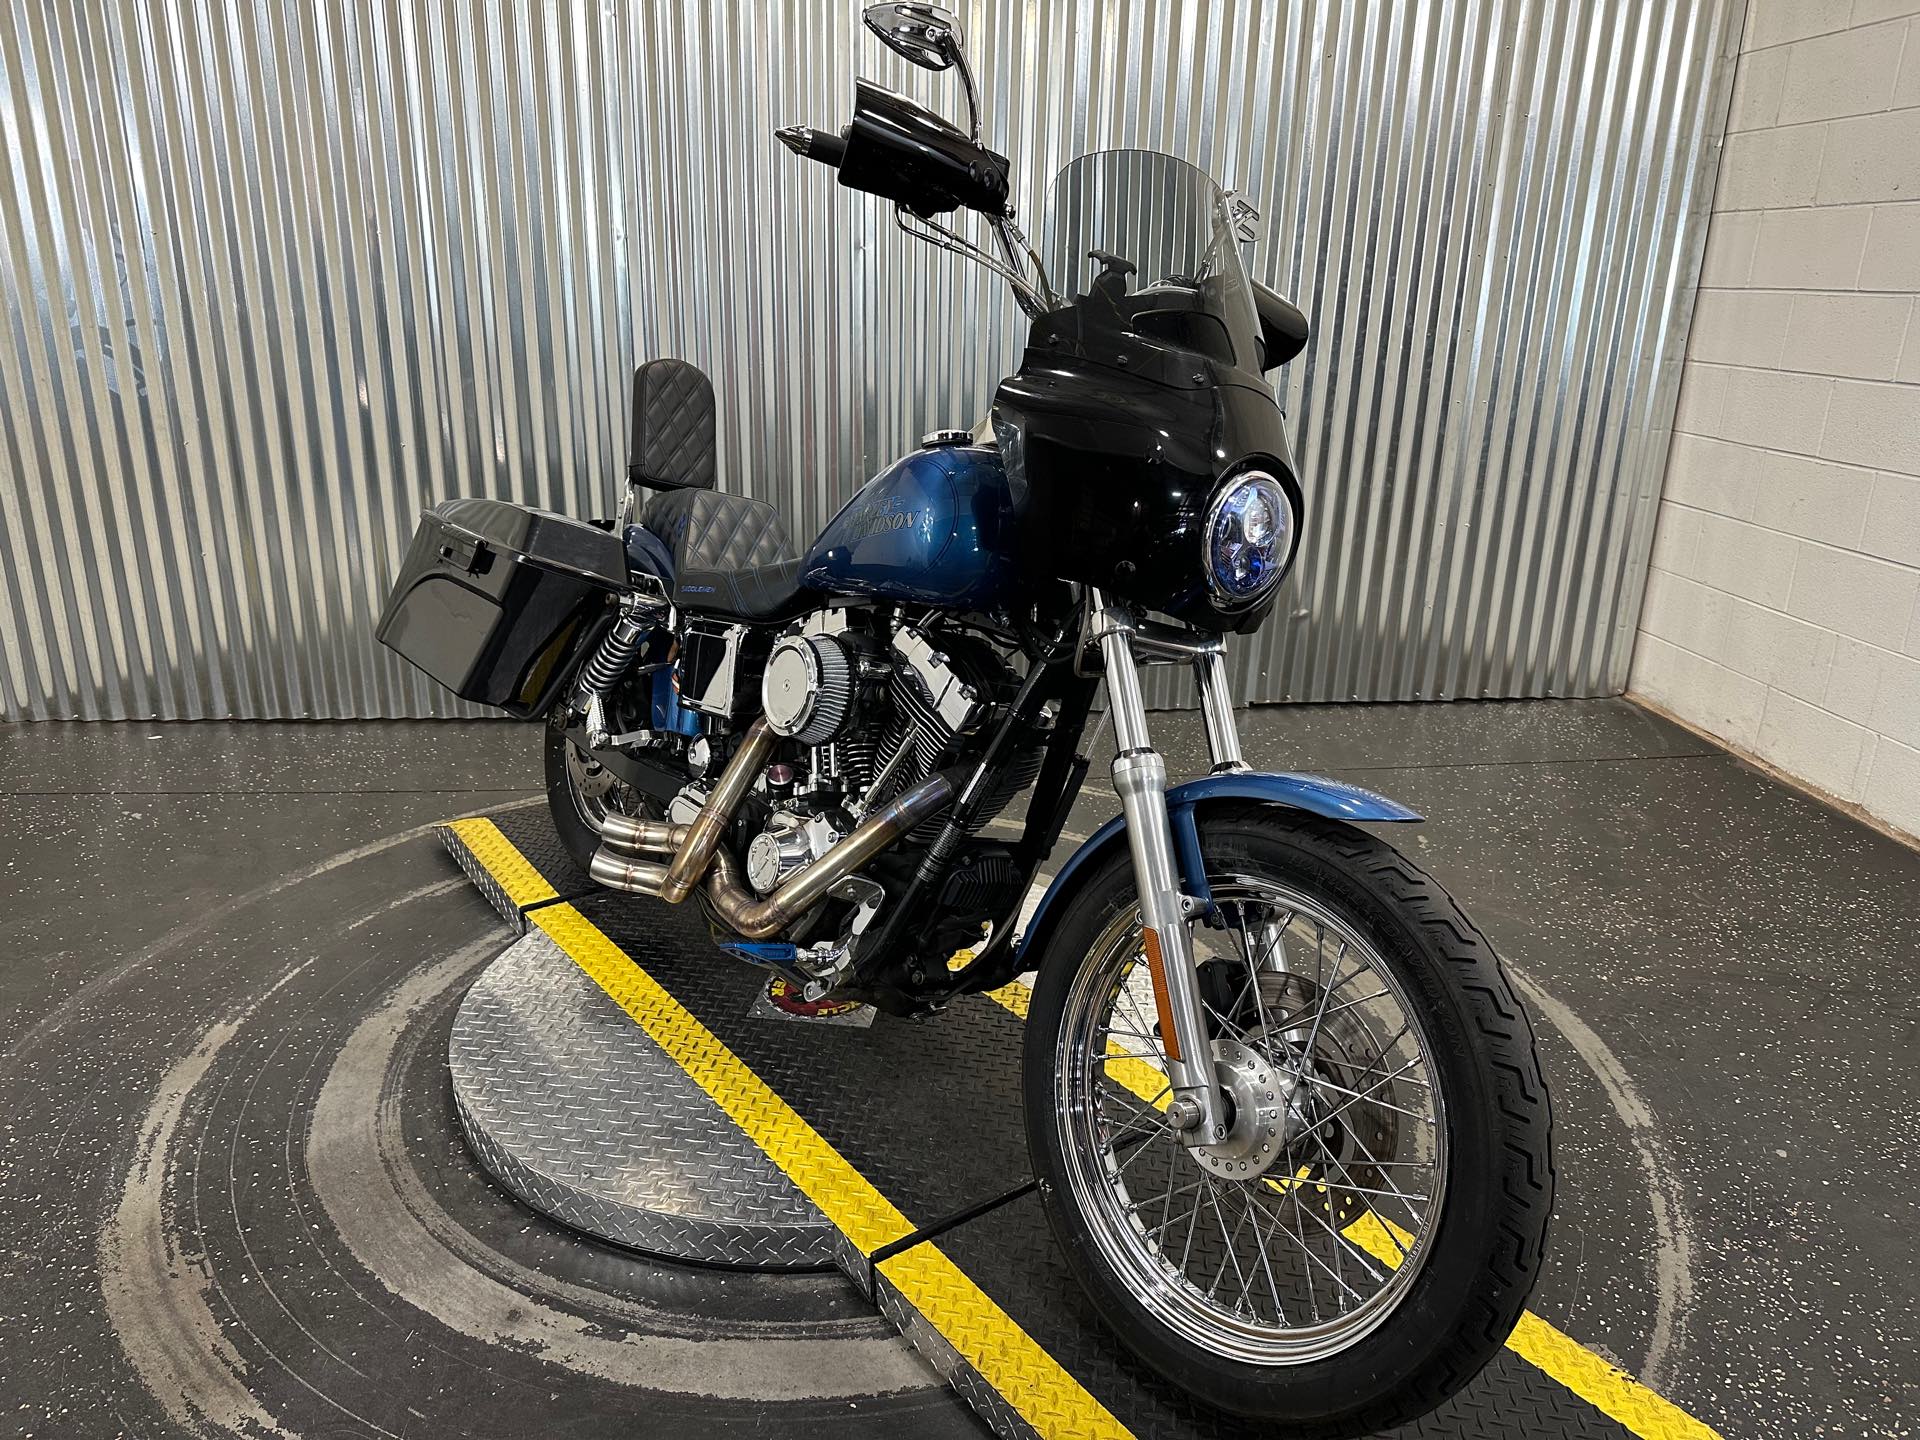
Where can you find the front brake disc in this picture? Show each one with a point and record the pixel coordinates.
(1338, 1156)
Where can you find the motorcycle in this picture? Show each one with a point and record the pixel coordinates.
(1283, 1105)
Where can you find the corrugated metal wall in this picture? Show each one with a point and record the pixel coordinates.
(276, 275)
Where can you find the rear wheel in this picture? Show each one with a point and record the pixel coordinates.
(1367, 1235)
(581, 792)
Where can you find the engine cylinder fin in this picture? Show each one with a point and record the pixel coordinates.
(851, 758)
(1014, 778)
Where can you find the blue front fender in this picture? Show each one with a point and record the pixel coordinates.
(1314, 794)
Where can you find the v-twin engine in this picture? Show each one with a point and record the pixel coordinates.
(867, 729)
(617, 863)
(880, 710)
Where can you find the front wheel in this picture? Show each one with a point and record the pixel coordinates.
(1367, 1235)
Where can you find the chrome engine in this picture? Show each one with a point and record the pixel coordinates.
(873, 708)
(801, 822)
(881, 707)
(789, 841)
(868, 727)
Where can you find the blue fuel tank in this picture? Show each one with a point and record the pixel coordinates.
(935, 527)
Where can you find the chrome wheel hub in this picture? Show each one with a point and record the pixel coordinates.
(1267, 1114)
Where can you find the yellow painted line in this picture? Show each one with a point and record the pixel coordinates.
(980, 1331)
(1606, 1387)
(1029, 1379)
(856, 1208)
(511, 871)
(1603, 1385)
(1013, 996)
(983, 1334)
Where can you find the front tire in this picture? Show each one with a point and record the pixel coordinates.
(1364, 1243)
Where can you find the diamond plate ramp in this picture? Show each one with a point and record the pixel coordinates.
(569, 1105)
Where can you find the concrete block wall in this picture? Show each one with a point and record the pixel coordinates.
(1782, 611)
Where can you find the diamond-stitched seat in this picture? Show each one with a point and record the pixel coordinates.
(731, 554)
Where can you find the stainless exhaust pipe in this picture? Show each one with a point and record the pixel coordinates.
(625, 840)
(635, 836)
(626, 872)
(616, 865)
(757, 919)
(704, 834)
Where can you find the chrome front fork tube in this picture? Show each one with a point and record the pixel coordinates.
(1216, 708)
(1197, 1108)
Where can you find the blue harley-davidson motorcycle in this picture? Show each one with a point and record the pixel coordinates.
(1283, 1104)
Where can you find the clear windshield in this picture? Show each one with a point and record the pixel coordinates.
(1147, 242)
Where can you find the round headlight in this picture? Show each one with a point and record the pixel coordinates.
(1249, 537)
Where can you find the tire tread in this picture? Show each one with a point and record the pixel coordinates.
(1493, 1011)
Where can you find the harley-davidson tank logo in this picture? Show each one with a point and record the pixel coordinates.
(884, 516)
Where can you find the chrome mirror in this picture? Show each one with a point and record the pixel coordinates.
(1244, 216)
(928, 35)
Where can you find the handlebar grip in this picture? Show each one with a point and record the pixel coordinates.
(814, 144)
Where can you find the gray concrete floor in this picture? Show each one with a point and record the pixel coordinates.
(215, 933)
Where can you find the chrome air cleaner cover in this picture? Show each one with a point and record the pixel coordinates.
(807, 689)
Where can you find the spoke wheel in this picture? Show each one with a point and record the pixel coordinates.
(1299, 1233)
(596, 792)
(1365, 1235)
(581, 793)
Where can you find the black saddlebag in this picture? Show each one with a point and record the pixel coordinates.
(495, 599)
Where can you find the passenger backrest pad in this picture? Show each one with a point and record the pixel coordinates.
(673, 445)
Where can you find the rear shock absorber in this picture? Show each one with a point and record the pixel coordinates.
(610, 662)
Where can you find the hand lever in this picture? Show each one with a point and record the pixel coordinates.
(1110, 284)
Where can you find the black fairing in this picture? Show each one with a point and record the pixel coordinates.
(1121, 440)
(902, 151)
